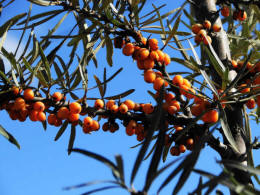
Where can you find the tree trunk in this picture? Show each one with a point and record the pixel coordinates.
(208, 10)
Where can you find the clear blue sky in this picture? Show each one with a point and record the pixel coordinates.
(42, 166)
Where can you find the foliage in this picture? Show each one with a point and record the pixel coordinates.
(220, 92)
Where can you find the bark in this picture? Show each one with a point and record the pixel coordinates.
(208, 10)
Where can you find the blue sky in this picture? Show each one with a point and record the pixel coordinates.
(42, 166)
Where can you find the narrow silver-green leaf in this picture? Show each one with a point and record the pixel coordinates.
(72, 138)
(61, 130)
(8, 136)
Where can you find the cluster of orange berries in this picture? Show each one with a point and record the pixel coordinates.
(201, 31)
(22, 107)
(253, 78)
(132, 127)
(181, 148)
(237, 14)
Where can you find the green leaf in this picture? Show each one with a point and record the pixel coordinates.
(155, 121)
(186, 63)
(203, 72)
(110, 50)
(10, 22)
(121, 95)
(100, 87)
(226, 129)
(162, 17)
(151, 173)
(214, 62)
(120, 166)
(9, 137)
(100, 158)
(44, 3)
(3, 76)
(37, 16)
(173, 31)
(72, 138)
(61, 130)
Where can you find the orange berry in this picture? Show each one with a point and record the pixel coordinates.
(139, 129)
(19, 103)
(216, 28)
(140, 64)
(184, 89)
(86, 129)
(207, 24)
(178, 128)
(161, 56)
(182, 148)
(16, 91)
(202, 33)
(109, 104)
(169, 97)
(39, 106)
(225, 11)
(113, 127)
(167, 59)
(128, 49)
(234, 64)
(177, 80)
(33, 115)
(250, 103)
(186, 82)
(28, 94)
(244, 88)
(149, 76)
(210, 116)
(153, 43)
(73, 117)
(158, 74)
(148, 108)
(41, 116)
(106, 126)
(176, 104)
(52, 119)
(57, 96)
(195, 28)
(99, 104)
(88, 121)
(143, 53)
(144, 40)
(148, 63)
(13, 115)
(175, 151)
(172, 110)
(207, 40)
(58, 122)
(123, 108)
(196, 109)
(198, 39)
(158, 83)
(63, 113)
(140, 137)
(189, 142)
(242, 15)
(75, 108)
(114, 108)
(154, 55)
(135, 54)
(130, 104)
(95, 125)
(130, 131)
